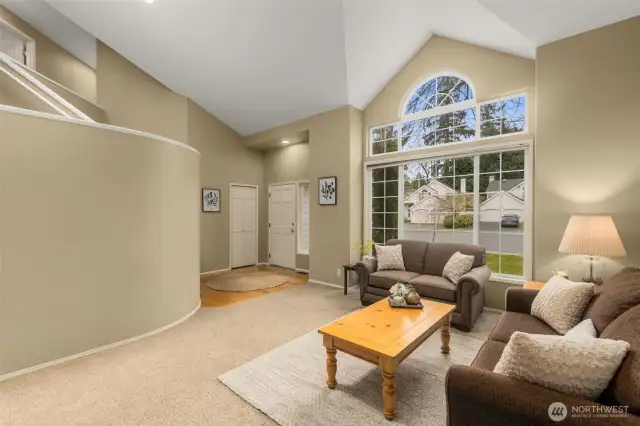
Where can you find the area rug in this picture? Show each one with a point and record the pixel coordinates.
(288, 384)
(250, 281)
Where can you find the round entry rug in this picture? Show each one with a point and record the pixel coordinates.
(246, 282)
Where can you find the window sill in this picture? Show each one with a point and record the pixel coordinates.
(507, 279)
(303, 253)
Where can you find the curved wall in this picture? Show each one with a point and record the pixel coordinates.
(99, 237)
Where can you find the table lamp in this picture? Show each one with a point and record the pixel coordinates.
(591, 236)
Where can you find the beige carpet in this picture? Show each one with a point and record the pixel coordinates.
(246, 281)
(288, 384)
(171, 378)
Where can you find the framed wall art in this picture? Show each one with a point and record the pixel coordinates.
(211, 200)
(328, 191)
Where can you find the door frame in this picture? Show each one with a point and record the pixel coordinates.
(245, 185)
(295, 227)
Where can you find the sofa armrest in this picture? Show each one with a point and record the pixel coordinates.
(368, 265)
(519, 299)
(482, 397)
(364, 268)
(475, 279)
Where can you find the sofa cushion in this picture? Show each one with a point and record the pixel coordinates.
(510, 322)
(458, 265)
(438, 254)
(489, 355)
(386, 279)
(620, 292)
(434, 287)
(413, 253)
(624, 389)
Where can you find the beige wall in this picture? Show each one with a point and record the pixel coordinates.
(286, 164)
(99, 238)
(133, 99)
(225, 160)
(491, 73)
(330, 145)
(587, 141)
(54, 61)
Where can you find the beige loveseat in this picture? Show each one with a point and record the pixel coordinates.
(424, 263)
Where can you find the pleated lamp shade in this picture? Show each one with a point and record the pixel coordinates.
(592, 236)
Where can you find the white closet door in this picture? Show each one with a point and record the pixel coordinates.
(282, 225)
(243, 226)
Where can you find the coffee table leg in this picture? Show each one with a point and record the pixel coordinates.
(445, 335)
(388, 368)
(332, 368)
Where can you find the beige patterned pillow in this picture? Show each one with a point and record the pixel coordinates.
(582, 368)
(390, 258)
(561, 303)
(457, 265)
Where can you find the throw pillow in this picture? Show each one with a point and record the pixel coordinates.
(457, 265)
(579, 368)
(560, 303)
(390, 258)
(620, 292)
(582, 331)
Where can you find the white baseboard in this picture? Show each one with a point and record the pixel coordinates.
(217, 271)
(499, 311)
(304, 271)
(325, 283)
(100, 349)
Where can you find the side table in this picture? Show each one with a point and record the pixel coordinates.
(345, 274)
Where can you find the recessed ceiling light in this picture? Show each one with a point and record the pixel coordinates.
(149, 1)
(286, 142)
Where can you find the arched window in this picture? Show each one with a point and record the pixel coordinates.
(439, 92)
(443, 110)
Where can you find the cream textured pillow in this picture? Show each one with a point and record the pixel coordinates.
(580, 368)
(582, 331)
(390, 258)
(457, 265)
(561, 303)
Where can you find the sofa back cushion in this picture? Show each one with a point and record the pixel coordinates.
(624, 388)
(438, 254)
(618, 294)
(412, 253)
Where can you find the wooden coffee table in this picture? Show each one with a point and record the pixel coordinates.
(385, 336)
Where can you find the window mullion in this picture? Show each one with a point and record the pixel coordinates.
(476, 199)
(400, 201)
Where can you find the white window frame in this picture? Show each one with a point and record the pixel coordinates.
(299, 185)
(452, 152)
(445, 110)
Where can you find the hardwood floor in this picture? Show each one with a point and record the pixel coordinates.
(215, 299)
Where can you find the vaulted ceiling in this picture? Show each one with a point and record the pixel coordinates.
(257, 64)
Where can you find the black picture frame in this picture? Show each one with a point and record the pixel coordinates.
(213, 206)
(330, 198)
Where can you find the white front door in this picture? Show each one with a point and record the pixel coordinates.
(282, 225)
(243, 226)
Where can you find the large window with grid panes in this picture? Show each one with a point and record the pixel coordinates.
(477, 195)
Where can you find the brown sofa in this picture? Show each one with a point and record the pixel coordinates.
(478, 396)
(424, 263)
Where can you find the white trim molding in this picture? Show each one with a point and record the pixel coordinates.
(99, 349)
(47, 116)
(302, 271)
(325, 283)
(217, 271)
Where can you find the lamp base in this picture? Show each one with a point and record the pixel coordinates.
(593, 280)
